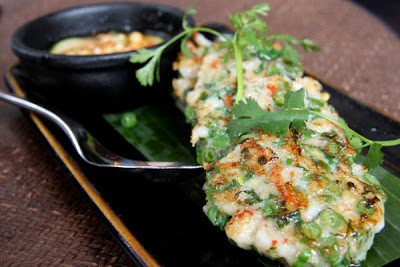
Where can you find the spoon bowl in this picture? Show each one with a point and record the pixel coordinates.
(92, 152)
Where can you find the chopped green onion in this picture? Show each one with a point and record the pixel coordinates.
(311, 230)
(279, 97)
(330, 218)
(370, 179)
(328, 198)
(208, 155)
(190, 113)
(271, 207)
(302, 258)
(220, 142)
(335, 259)
(363, 208)
(216, 217)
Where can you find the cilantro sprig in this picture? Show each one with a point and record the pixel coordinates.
(249, 116)
(251, 36)
(151, 70)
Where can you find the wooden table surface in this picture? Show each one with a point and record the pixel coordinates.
(46, 221)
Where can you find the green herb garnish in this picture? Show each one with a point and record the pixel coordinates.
(249, 116)
(251, 37)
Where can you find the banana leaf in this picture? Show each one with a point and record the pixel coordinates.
(156, 139)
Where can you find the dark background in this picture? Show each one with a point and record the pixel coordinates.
(387, 10)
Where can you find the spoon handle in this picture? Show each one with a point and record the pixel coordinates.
(26, 104)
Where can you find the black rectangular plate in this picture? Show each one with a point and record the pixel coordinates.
(157, 223)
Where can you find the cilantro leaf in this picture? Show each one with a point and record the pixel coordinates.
(250, 38)
(290, 55)
(250, 18)
(145, 75)
(309, 45)
(295, 99)
(142, 55)
(249, 116)
(374, 156)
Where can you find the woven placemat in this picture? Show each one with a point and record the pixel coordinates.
(45, 220)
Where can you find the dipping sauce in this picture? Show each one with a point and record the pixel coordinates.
(105, 43)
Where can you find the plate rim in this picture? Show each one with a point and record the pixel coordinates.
(130, 243)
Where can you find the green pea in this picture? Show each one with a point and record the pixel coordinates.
(311, 230)
(330, 218)
(128, 120)
(289, 161)
(298, 264)
(220, 142)
(203, 95)
(328, 242)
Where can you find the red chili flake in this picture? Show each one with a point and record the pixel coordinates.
(214, 64)
(274, 242)
(273, 88)
(228, 100)
(110, 42)
(326, 149)
(242, 213)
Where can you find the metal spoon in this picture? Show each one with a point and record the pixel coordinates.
(93, 153)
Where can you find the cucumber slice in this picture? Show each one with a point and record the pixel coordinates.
(69, 43)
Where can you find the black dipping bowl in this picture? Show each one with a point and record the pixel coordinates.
(99, 82)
